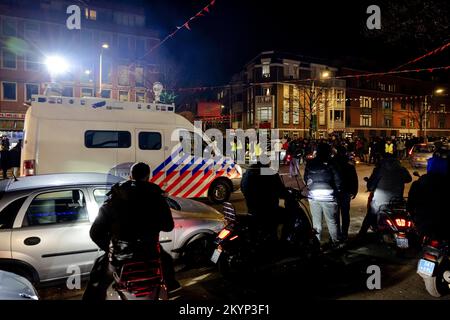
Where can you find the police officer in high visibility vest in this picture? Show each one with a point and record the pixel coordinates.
(236, 148)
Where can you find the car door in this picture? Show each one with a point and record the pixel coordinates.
(165, 238)
(51, 232)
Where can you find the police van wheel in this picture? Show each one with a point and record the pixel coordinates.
(219, 191)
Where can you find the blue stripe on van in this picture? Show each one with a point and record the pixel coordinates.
(194, 171)
(188, 166)
(177, 164)
(166, 162)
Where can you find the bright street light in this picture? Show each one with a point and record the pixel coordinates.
(325, 74)
(87, 72)
(105, 46)
(56, 64)
(439, 91)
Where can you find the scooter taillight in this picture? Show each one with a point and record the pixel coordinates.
(224, 233)
(434, 243)
(430, 257)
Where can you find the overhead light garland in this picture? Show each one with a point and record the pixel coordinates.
(185, 25)
(435, 51)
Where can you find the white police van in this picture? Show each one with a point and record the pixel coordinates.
(64, 134)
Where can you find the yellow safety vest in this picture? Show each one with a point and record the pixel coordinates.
(389, 148)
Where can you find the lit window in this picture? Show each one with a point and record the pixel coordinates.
(90, 14)
(266, 70)
(123, 96)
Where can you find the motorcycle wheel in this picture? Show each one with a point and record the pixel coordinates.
(437, 286)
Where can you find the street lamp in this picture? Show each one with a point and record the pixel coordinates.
(438, 91)
(56, 65)
(104, 46)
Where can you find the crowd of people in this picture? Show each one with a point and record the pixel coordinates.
(331, 179)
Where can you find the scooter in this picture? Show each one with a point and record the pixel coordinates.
(434, 266)
(395, 224)
(138, 280)
(243, 246)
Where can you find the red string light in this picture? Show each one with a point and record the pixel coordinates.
(435, 51)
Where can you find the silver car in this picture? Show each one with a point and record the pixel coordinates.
(420, 153)
(15, 287)
(45, 222)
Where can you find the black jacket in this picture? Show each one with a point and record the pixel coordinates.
(130, 220)
(323, 180)
(348, 175)
(427, 204)
(262, 192)
(14, 157)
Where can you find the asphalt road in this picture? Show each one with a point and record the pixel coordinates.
(338, 275)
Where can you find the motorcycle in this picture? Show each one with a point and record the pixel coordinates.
(138, 280)
(395, 224)
(244, 246)
(434, 266)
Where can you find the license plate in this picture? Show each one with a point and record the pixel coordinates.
(425, 267)
(402, 243)
(216, 255)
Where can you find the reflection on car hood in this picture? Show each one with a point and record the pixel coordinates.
(15, 287)
(195, 209)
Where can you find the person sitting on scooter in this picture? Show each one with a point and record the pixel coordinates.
(262, 188)
(127, 229)
(387, 182)
(427, 195)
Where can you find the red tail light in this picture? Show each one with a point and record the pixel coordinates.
(224, 233)
(410, 151)
(288, 158)
(434, 243)
(400, 222)
(430, 257)
(231, 239)
(389, 222)
(29, 167)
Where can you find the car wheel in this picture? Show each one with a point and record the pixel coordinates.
(199, 251)
(219, 191)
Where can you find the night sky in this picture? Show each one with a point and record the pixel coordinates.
(235, 31)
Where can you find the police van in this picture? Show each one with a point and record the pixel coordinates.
(64, 134)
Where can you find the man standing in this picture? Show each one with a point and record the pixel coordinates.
(324, 184)
(127, 229)
(349, 190)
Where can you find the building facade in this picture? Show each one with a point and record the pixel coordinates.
(282, 91)
(31, 31)
(395, 106)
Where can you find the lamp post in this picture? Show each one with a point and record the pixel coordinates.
(104, 46)
(438, 91)
(313, 100)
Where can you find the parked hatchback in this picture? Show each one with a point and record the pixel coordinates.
(420, 153)
(45, 222)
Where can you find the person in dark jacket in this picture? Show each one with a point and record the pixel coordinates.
(387, 182)
(349, 190)
(4, 160)
(262, 188)
(426, 197)
(127, 228)
(324, 184)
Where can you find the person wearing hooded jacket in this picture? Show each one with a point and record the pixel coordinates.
(387, 182)
(324, 184)
(426, 198)
(127, 228)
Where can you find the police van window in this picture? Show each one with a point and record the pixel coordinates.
(149, 140)
(57, 207)
(107, 139)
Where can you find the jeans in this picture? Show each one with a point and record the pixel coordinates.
(294, 167)
(330, 211)
(343, 219)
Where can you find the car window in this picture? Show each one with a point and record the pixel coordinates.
(107, 139)
(423, 149)
(100, 195)
(57, 207)
(8, 214)
(173, 204)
